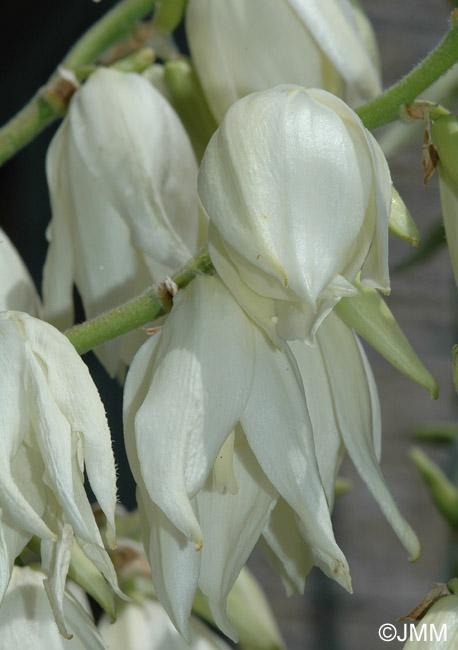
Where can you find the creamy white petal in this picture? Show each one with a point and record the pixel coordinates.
(328, 442)
(201, 381)
(240, 47)
(147, 627)
(287, 545)
(17, 290)
(333, 25)
(175, 562)
(265, 182)
(357, 412)
(157, 204)
(20, 629)
(278, 428)
(231, 525)
(78, 401)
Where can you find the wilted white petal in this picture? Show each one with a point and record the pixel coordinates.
(49, 404)
(205, 351)
(77, 399)
(231, 525)
(279, 431)
(357, 414)
(17, 290)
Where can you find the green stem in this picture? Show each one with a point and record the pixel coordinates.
(387, 107)
(47, 105)
(155, 302)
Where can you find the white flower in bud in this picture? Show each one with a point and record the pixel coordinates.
(240, 47)
(221, 433)
(53, 428)
(121, 174)
(27, 621)
(298, 193)
(17, 290)
(147, 627)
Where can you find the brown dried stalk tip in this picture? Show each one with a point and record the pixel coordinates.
(59, 94)
(437, 591)
(454, 18)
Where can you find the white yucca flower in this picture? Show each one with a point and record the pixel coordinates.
(147, 627)
(27, 620)
(17, 290)
(53, 428)
(298, 193)
(122, 176)
(239, 47)
(230, 438)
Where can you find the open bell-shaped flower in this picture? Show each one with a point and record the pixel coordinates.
(298, 193)
(228, 441)
(121, 174)
(240, 47)
(53, 429)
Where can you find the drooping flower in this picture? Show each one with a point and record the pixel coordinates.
(53, 428)
(17, 290)
(240, 47)
(122, 175)
(27, 620)
(228, 442)
(298, 193)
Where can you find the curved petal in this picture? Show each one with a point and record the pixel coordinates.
(231, 525)
(201, 381)
(78, 400)
(155, 197)
(292, 554)
(279, 431)
(326, 434)
(17, 290)
(334, 27)
(357, 412)
(264, 182)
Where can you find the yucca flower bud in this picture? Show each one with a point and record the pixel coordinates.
(298, 193)
(122, 175)
(240, 47)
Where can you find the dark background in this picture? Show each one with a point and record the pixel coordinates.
(35, 37)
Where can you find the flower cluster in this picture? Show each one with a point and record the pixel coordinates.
(235, 426)
(241, 405)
